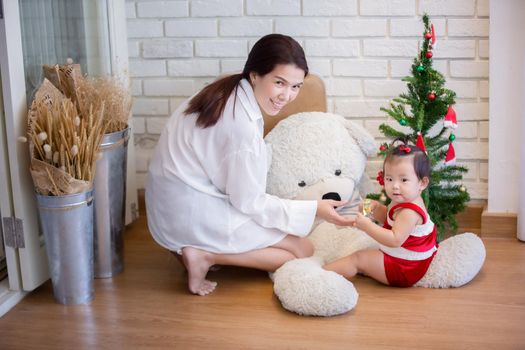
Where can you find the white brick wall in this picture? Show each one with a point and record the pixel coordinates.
(361, 48)
(162, 9)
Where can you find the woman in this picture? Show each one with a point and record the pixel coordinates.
(206, 189)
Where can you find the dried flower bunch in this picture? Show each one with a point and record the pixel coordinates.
(66, 78)
(64, 139)
(87, 91)
(113, 94)
(63, 144)
(68, 117)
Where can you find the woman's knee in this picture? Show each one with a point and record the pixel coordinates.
(299, 247)
(305, 248)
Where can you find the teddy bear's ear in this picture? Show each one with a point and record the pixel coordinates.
(363, 138)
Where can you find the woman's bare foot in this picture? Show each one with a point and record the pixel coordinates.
(179, 258)
(198, 263)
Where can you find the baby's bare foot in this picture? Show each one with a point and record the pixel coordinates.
(198, 263)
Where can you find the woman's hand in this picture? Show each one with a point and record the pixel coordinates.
(326, 211)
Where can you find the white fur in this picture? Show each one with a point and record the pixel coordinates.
(457, 261)
(309, 147)
(305, 288)
(332, 243)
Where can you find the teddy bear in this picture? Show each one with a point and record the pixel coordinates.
(316, 155)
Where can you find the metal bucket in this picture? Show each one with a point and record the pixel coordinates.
(110, 200)
(67, 224)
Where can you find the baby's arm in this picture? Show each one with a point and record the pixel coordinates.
(404, 224)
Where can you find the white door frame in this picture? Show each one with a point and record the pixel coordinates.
(118, 46)
(8, 296)
(120, 67)
(32, 260)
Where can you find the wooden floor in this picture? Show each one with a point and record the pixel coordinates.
(147, 306)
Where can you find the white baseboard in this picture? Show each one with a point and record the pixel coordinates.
(9, 298)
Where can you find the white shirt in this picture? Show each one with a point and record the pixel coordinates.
(206, 188)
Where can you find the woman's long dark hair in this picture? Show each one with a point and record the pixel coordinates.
(269, 51)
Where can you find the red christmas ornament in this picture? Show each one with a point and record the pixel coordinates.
(380, 177)
(428, 35)
(382, 147)
(450, 158)
(429, 54)
(420, 143)
(431, 96)
(450, 119)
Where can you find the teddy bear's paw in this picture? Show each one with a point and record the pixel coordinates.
(304, 287)
(457, 261)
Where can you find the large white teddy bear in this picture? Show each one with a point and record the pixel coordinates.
(321, 155)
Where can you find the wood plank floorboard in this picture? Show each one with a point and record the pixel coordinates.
(148, 307)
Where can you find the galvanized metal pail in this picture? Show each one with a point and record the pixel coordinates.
(67, 224)
(110, 199)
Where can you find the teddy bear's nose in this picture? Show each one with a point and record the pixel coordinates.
(332, 195)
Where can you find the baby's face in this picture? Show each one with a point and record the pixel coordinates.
(401, 181)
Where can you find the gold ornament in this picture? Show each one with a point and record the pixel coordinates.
(462, 188)
(382, 198)
(367, 207)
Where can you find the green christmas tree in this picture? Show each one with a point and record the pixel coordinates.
(427, 103)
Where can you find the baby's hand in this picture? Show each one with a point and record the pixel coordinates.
(362, 222)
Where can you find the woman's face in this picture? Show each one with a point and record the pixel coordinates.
(279, 87)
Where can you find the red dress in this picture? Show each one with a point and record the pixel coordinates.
(406, 265)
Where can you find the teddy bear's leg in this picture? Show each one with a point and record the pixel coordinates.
(332, 243)
(304, 287)
(457, 261)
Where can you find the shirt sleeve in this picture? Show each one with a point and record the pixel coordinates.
(243, 175)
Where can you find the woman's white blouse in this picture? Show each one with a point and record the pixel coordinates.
(206, 188)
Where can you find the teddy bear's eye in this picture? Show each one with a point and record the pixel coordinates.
(302, 184)
(337, 172)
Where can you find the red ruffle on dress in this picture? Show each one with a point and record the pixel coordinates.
(406, 265)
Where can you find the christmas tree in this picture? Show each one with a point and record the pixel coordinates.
(426, 104)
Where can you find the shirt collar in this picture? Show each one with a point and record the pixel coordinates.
(247, 98)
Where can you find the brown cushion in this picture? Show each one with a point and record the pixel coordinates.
(311, 98)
